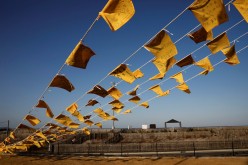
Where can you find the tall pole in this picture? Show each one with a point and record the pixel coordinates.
(113, 126)
(7, 132)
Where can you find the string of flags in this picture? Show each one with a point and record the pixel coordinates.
(117, 13)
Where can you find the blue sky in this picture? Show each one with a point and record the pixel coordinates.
(38, 35)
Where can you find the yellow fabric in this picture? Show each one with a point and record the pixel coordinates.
(231, 56)
(74, 125)
(188, 60)
(157, 76)
(116, 104)
(89, 122)
(32, 120)
(87, 117)
(218, 43)
(178, 77)
(98, 125)
(205, 64)
(98, 90)
(23, 126)
(164, 66)
(162, 46)
(134, 91)
(124, 73)
(86, 131)
(115, 93)
(7, 139)
(12, 135)
(63, 119)
(117, 110)
(80, 56)
(138, 74)
(201, 35)
(21, 147)
(91, 102)
(116, 13)
(183, 87)
(145, 104)
(157, 89)
(242, 7)
(134, 99)
(210, 13)
(43, 104)
(127, 111)
(98, 111)
(79, 116)
(72, 108)
(61, 81)
(40, 134)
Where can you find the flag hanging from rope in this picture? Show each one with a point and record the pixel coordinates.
(124, 73)
(242, 7)
(178, 77)
(43, 104)
(231, 56)
(201, 35)
(205, 64)
(98, 90)
(183, 87)
(63, 119)
(80, 56)
(218, 43)
(114, 92)
(188, 60)
(134, 91)
(116, 13)
(210, 13)
(61, 81)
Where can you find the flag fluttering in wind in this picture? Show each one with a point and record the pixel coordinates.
(116, 13)
(80, 56)
(242, 7)
(145, 104)
(43, 104)
(127, 111)
(201, 35)
(134, 91)
(205, 64)
(218, 43)
(162, 47)
(210, 13)
(61, 81)
(124, 73)
(188, 60)
(63, 119)
(183, 87)
(116, 104)
(98, 125)
(98, 90)
(178, 77)
(114, 92)
(91, 102)
(134, 99)
(164, 66)
(32, 120)
(157, 76)
(138, 74)
(157, 89)
(231, 56)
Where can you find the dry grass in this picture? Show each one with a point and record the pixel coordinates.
(78, 160)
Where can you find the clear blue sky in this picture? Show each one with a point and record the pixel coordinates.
(38, 35)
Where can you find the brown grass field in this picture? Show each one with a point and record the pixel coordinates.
(78, 160)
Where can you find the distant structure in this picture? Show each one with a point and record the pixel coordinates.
(173, 121)
(153, 126)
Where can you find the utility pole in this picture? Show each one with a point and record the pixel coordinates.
(113, 126)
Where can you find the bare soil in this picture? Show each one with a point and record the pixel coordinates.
(78, 160)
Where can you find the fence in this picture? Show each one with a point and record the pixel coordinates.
(152, 148)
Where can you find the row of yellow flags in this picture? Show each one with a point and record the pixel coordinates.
(209, 13)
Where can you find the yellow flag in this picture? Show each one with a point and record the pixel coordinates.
(124, 73)
(80, 56)
(63, 119)
(231, 56)
(98, 90)
(23, 126)
(117, 110)
(98, 111)
(157, 89)
(134, 99)
(145, 104)
(117, 12)
(12, 135)
(91, 102)
(164, 66)
(79, 116)
(98, 125)
(242, 7)
(43, 104)
(178, 77)
(162, 46)
(183, 87)
(205, 64)
(138, 74)
(32, 120)
(89, 122)
(134, 91)
(157, 76)
(188, 60)
(40, 134)
(116, 103)
(218, 43)
(74, 125)
(210, 13)
(61, 81)
(127, 111)
(86, 131)
(201, 35)
(72, 108)
(114, 92)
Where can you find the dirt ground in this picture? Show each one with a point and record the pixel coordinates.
(79, 160)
